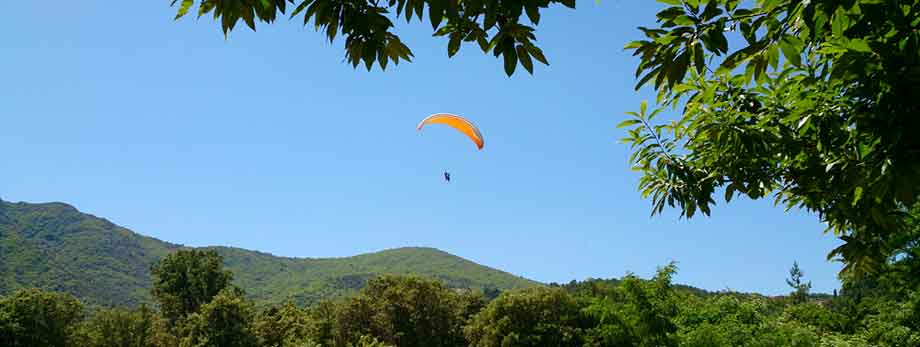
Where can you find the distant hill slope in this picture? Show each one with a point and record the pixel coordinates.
(54, 246)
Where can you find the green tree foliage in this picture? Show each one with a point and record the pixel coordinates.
(799, 286)
(282, 325)
(403, 311)
(532, 317)
(884, 308)
(323, 316)
(121, 328)
(638, 313)
(32, 317)
(187, 279)
(732, 320)
(876, 309)
(816, 106)
(896, 323)
(469, 303)
(870, 311)
(498, 27)
(225, 321)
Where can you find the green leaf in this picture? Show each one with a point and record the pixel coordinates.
(791, 51)
(435, 12)
(383, 58)
(483, 43)
(453, 45)
(652, 74)
(859, 45)
(533, 13)
(524, 57)
(536, 53)
(510, 56)
(678, 69)
(711, 11)
(741, 56)
(684, 20)
(249, 18)
(184, 7)
(699, 59)
(301, 7)
(636, 44)
(628, 122)
(369, 54)
(671, 13)
(491, 17)
(721, 43)
(205, 7)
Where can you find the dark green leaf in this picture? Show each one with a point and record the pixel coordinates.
(435, 12)
(510, 57)
(453, 45)
(537, 54)
(524, 57)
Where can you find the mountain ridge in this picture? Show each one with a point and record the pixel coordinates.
(54, 246)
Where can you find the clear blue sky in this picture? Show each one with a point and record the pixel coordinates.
(268, 141)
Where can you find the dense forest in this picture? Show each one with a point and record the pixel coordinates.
(196, 305)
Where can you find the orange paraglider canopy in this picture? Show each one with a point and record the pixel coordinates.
(464, 126)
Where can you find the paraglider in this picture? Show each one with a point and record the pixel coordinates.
(461, 124)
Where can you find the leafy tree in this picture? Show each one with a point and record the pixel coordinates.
(884, 305)
(323, 329)
(161, 333)
(896, 324)
(186, 279)
(817, 315)
(403, 311)
(723, 320)
(469, 303)
(799, 286)
(817, 107)
(731, 320)
(225, 321)
(282, 325)
(637, 312)
(532, 317)
(32, 317)
(367, 25)
(121, 328)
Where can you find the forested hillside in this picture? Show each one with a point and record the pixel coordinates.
(196, 305)
(54, 246)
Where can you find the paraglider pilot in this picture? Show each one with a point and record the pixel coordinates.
(447, 176)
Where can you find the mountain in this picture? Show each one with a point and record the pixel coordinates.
(56, 247)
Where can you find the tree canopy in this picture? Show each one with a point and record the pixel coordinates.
(412, 311)
(187, 279)
(816, 106)
(497, 27)
(32, 317)
(225, 321)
